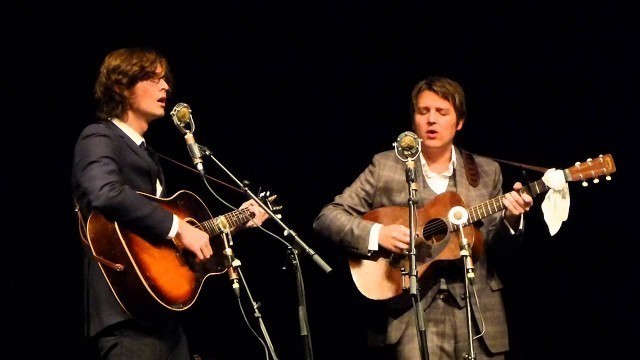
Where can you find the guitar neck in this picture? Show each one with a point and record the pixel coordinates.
(495, 205)
(590, 169)
(230, 220)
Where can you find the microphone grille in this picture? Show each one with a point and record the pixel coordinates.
(181, 113)
(407, 142)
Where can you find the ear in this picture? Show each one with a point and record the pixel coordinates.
(121, 90)
(460, 123)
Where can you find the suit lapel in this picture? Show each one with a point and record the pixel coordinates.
(151, 164)
(154, 156)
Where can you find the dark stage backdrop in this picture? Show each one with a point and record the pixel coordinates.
(296, 99)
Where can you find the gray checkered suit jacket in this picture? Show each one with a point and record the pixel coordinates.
(383, 183)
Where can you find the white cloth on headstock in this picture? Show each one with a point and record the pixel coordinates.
(555, 206)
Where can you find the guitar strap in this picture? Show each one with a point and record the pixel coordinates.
(473, 176)
(82, 225)
(470, 168)
(82, 230)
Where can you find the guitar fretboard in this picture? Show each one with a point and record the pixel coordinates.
(494, 205)
(216, 225)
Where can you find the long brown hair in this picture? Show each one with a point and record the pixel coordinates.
(120, 71)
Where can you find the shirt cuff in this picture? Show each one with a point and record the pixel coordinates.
(373, 237)
(174, 227)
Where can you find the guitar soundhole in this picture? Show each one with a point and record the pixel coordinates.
(435, 231)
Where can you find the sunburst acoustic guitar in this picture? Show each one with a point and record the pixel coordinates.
(152, 277)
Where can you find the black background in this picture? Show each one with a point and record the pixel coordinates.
(296, 98)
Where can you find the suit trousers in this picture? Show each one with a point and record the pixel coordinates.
(447, 333)
(128, 340)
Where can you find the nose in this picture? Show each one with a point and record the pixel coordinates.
(165, 85)
(431, 118)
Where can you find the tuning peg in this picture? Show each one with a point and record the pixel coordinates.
(585, 184)
(608, 177)
(596, 180)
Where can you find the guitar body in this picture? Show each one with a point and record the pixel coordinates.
(384, 275)
(154, 276)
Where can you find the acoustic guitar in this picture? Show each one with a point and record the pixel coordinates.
(384, 275)
(150, 278)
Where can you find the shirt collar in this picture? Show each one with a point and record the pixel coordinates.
(128, 130)
(449, 172)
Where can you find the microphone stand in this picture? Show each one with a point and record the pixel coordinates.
(183, 120)
(408, 149)
(302, 307)
(468, 278)
(458, 216)
(287, 231)
(413, 271)
(233, 267)
(257, 314)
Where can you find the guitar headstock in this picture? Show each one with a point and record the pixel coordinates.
(271, 202)
(591, 169)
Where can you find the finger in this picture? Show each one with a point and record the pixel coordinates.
(507, 202)
(402, 241)
(515, 198)
(399, 247)
(524, 201)
(515, 201)
(517, 206)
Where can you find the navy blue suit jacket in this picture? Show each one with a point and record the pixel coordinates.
(109, 170)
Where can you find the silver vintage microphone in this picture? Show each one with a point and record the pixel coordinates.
(407, 145)
(181, 115)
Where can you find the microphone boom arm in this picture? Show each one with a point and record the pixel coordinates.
(287, 231)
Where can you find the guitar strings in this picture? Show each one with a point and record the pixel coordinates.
(235, 217)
